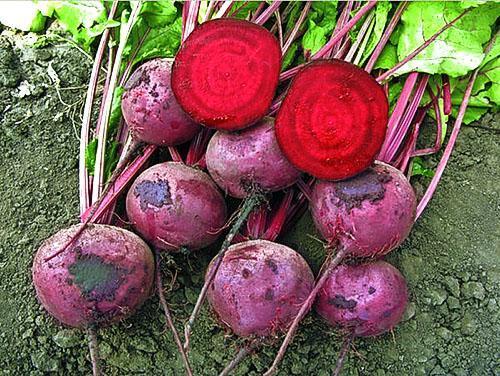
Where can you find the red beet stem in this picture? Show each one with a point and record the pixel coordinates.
(439, 129)
(446, 94)
(296, 27)
(264, 16)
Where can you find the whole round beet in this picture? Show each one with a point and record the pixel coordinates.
(259, 287)
(101, 278)
(238, 160)
(173, 205)
(369, 214)
(368, 299)
(151, 110)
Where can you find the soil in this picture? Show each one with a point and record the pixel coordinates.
(451, 326)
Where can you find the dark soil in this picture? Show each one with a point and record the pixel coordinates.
(451, 259)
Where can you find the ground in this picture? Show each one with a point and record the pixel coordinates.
(450, 260)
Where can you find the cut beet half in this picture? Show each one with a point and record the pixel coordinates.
(333, 120)
(226, 73)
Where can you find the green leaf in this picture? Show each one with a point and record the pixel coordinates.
(388, 58)
(418, 168)
(456, 51)
(320, 23)
(314, 38)
(157, 14)
(90, 156)
(246, 8)
(110, 159)
(83, 19)
(289, 56)
(116, 110)
(381, 12)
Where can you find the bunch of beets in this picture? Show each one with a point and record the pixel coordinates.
(321, 147)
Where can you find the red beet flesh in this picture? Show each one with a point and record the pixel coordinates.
(368, 215)
(151, 110)
(173, 205)
(259, 287)
(333, 120)
(369, 299)
(226, 73)
(103, 276)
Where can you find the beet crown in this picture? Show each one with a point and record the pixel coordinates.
(333, 120)
(226, 73)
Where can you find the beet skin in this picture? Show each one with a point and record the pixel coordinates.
(151, 110)
(101, 278)
(237, 161)
(369, 215)
(259, 287)
(369, 299)
(173, 205)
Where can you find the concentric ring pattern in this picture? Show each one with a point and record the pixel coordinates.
(226, 73)
(333, 120)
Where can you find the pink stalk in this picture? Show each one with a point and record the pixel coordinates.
(296, 27)
(191, 18)
(304, 188)
(404, 158)
(174, 154)
(120, 184)
(198, 146)
(439, 130)
(398, 112)
(256, 222)
(415, 52)
(258, 11)
(185, 12)
(279, 218)
(87, 114)
(325, 50)
(264, 16)
(446, 94)
(130, 64)
(298, 206)
(405, 123)
(344, 30)
(208, 14)
(449, 146)
(385, 36)
(360, 37)
(237, 10)
(343, 49)
(343, 18)
(224, 9)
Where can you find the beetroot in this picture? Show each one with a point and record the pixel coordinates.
(238, 161)
(151, 110)
(173, 205)
(333, 120)
(226, 73)
(367, 299)
(103, 277)
(369, 215)
(259, 287)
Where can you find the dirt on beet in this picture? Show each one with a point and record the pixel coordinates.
(451, 326)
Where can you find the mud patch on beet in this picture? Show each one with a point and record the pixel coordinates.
(271, 264)
(341, 302)
(367, 186)
(154, 193)
(97, 280)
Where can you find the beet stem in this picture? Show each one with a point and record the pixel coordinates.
(415, 52)
(253, 200)
(344, 17)
(449, 146)
(242, 354)
(279, 218)
(361, 39)
(446, 94)
(97, 205)
(264, 16)
(174, 154)
(87, 114)
(191, 18)
(385, 36)
(296, 27)
(94, 350)
(258, 11)
(208, 14)
(224, 9)
(168, 315)
(342, 355)
(329, 265)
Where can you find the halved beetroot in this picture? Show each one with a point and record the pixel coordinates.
(226, 73)
(333, 120)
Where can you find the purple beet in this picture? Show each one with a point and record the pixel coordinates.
(259, 287)
(367, 299)
(151, 110)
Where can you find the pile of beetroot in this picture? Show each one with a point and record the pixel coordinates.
(234, 127)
